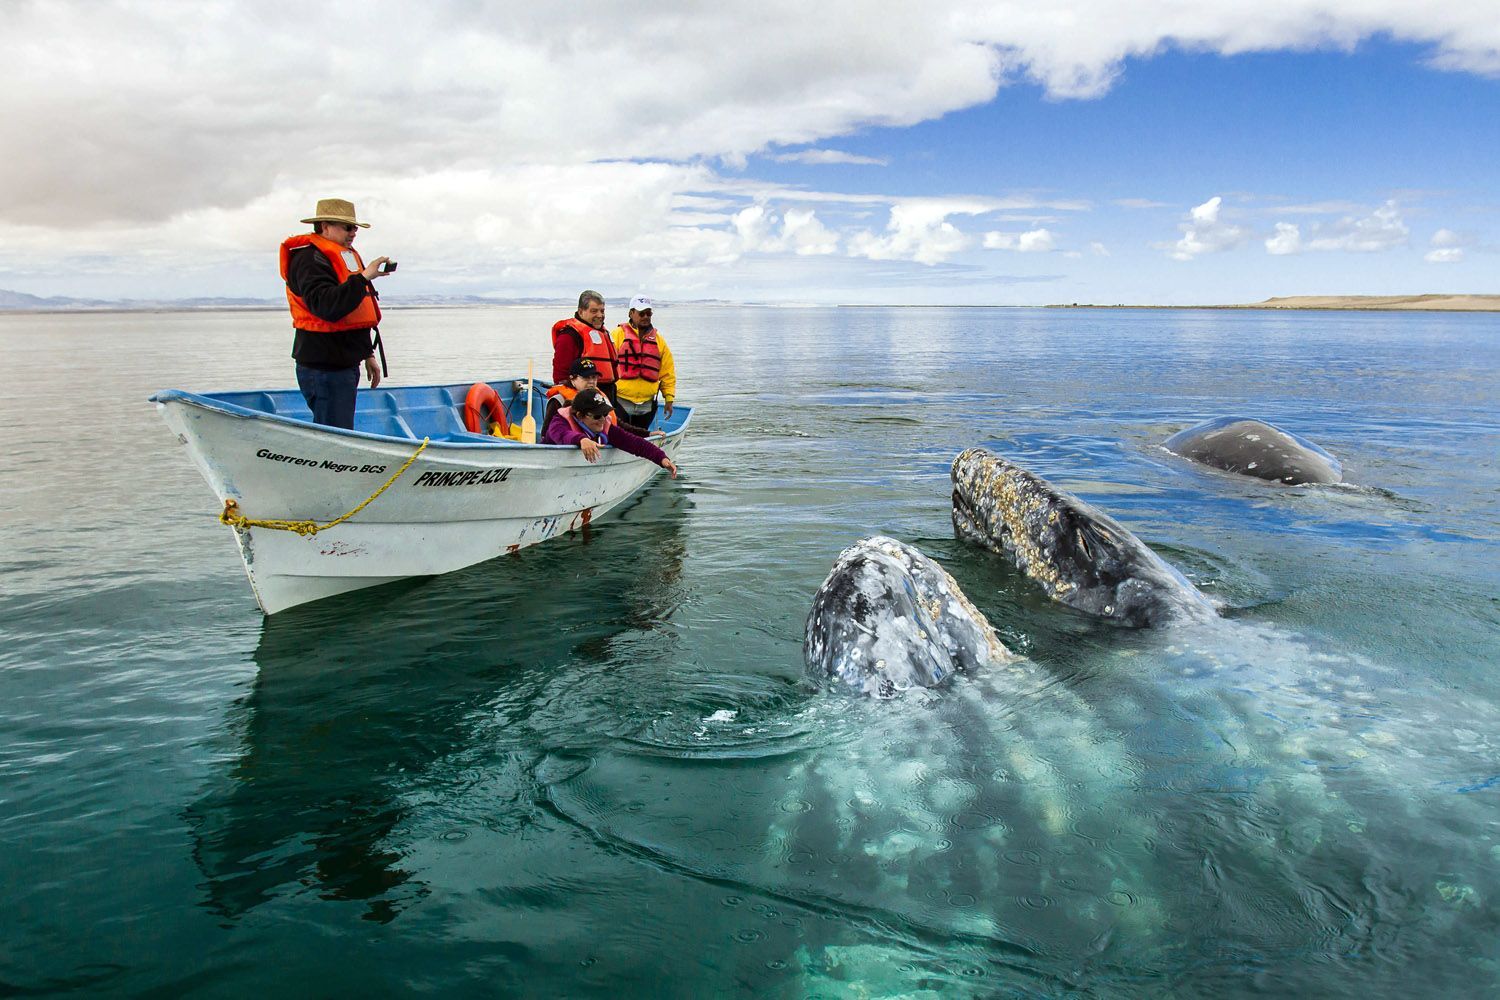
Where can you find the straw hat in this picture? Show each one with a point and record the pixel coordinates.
(336, 210)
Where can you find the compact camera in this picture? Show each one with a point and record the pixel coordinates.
(387, 267)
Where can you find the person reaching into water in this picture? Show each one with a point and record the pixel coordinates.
(643, 369)
(583, 375)
(334, 306)
(589, 422)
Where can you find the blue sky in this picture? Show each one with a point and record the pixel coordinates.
(971, 153)
(1272, 134)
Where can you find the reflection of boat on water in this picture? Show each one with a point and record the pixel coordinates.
(357, 725)
(465, 498)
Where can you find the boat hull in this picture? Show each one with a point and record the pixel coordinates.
(458, 504)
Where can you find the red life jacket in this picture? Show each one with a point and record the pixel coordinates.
(364, 316)
(597, 346)
(639, 357)
(566, 413)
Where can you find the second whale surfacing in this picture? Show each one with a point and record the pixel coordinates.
(1079, 555)
(1254, 448)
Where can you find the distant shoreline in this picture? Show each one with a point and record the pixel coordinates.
(1356, 303)
(1365, 303)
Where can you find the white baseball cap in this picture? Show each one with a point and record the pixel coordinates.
(641, 302)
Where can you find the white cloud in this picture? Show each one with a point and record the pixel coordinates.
(1447, 238)
(823, 156)
(1317, 208)
(1032, 241)
(220, 107)
(1098, 249)
(1448, 247)
(1205, 233)
(1288, 239)
(919, 230)
(1380, 230)
(503, 142)
(798, 230)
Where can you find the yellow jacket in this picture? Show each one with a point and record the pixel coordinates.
(638, 390)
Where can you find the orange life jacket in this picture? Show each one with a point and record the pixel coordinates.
(639, 357)
(365, 315)
(564, 392)
(597, 346)
(602, 437)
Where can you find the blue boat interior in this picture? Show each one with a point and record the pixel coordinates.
(412, 412)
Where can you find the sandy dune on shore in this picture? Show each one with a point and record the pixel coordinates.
(1454, 303)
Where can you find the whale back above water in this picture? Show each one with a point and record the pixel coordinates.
(1079, 555)
(888, 619)
(1255, 448)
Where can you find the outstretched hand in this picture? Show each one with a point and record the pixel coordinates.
(670, 466)
(590, 449)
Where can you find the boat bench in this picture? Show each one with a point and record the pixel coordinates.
(427, 412)
(432, 412)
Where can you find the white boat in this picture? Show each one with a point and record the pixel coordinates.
(464, 499)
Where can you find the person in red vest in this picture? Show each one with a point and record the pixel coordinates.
(584, 336)
(334, 308)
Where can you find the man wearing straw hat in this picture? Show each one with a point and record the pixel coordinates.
(334, 308)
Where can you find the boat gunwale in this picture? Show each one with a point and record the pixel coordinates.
(482, 441)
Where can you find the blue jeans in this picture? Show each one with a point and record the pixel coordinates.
(330, 395)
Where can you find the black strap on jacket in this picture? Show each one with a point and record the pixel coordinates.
(380, 346)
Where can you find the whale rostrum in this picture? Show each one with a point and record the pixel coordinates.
(888, 619)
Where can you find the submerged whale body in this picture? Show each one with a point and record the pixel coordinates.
(1253, 448)
(1079, 555)
(888, 619)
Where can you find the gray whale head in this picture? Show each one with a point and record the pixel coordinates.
(888, 619)
(1081, 556)
(1254, 448)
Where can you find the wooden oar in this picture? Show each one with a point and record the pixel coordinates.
(528, 422)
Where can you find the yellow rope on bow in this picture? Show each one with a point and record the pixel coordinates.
(308, 528)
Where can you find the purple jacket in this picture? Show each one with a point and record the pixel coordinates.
(559, 431)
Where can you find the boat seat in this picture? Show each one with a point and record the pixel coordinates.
(440, 423)
(286, 404)
(382, 423)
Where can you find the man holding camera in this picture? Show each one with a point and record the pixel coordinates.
(334, 309)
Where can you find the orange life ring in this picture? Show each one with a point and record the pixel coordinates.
(482, 394)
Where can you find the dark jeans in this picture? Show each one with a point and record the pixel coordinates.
(330, 395)
(638, 422)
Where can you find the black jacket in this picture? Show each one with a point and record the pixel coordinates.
(310, 276)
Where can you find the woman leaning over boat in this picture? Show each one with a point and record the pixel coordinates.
(590, 424)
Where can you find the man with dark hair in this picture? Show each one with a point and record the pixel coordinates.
(334, 307)
(584, 336)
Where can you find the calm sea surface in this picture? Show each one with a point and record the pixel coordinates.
(596, 769)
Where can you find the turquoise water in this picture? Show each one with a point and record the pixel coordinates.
(596, 769)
